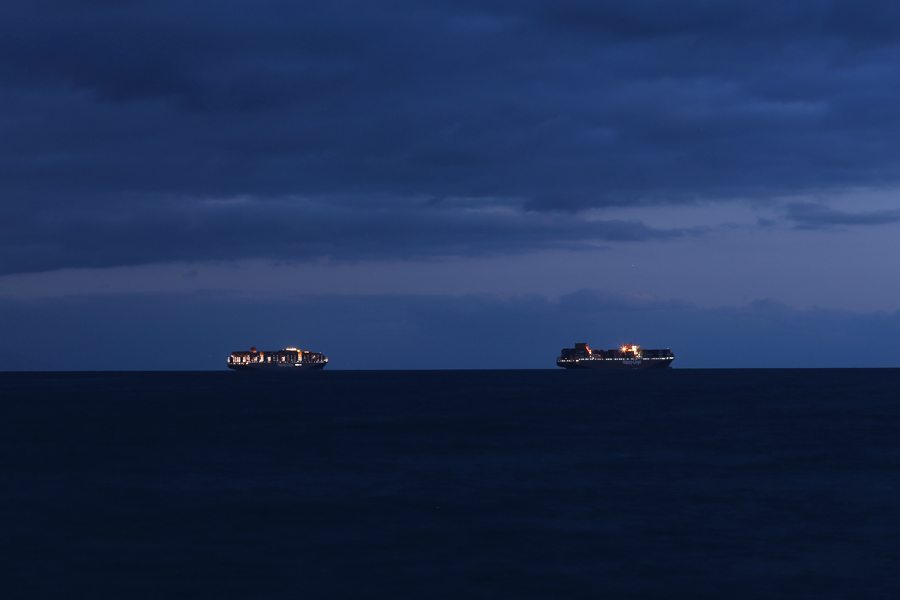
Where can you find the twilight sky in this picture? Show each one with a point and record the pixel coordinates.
(383, 175)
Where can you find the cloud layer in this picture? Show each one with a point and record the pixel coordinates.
(296, 229)
(123, 121)
(807, 215)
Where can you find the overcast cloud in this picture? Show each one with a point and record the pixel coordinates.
(142, 132)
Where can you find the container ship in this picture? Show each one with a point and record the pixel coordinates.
(626, 357)
(288, 359)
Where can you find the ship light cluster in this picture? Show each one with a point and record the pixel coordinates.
(290, 355)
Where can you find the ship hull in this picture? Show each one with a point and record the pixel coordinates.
(616, 364)
(280, 367)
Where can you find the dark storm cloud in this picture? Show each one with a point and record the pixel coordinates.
(298, 230)
(807, 215)
(109, 110)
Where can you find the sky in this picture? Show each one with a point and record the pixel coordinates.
(449, 184)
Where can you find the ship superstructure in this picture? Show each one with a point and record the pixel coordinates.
(626, 357)
(287, 359)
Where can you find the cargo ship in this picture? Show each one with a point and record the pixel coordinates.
(626, 357)
(288, 359)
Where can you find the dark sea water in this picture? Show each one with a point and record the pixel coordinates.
(451, 484)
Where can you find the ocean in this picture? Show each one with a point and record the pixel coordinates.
(451, 484)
